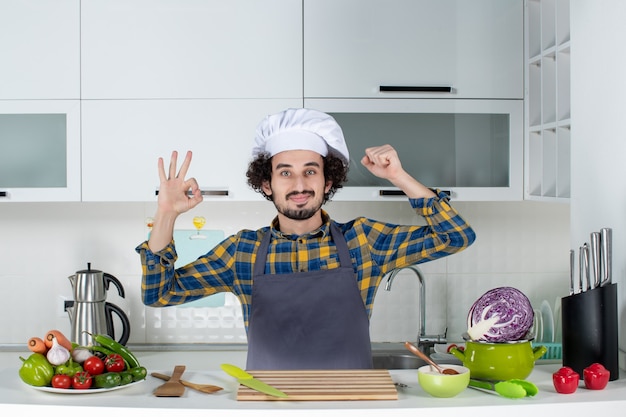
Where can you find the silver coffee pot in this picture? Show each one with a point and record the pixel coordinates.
(89, 312)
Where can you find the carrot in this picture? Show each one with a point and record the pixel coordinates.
(60, 337)
(37, 345)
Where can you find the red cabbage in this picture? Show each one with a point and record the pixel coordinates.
(503, 314)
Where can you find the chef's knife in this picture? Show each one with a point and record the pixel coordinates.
(607, 255)
(249, 381)
(595, 258)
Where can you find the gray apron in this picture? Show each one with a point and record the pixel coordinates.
(308, 320)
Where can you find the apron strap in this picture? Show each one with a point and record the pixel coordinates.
(261, 254)
(338, 238)
(342, 246)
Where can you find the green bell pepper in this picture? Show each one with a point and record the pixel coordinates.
(36, 370)
(70, 368)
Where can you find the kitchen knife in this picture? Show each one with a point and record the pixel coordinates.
(586, 265)
(581, 268)
(594, 253)
(571, 271)
(607, 255)
(249, 381)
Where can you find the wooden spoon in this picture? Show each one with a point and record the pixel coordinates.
(207, 388)
(173, 387)
(416, 351)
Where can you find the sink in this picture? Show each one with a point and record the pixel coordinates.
(396, 360)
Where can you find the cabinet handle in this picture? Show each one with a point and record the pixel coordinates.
(396, 193)
(415, 89)
(4, 194)
(211, 193)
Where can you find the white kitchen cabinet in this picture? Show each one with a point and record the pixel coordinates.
(123, 139)
(471, 148)
(144, 49)
(40, 49)
(39, 150)
(353, 47)
(548, 123)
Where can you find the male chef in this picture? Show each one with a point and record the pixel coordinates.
(306, 283)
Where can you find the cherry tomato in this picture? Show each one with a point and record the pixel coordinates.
(94, 365)
(596, 376)
(61, 381)
(114, 363)
(565, 380)
(82, 380)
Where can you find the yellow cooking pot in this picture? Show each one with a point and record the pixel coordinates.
(499, 361)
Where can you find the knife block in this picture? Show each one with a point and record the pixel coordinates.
(590, 330)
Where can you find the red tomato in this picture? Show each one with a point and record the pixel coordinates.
(82, 380)
(94, 365)
(114, 363)
(596, 376)
(565, 380)
(61, 381)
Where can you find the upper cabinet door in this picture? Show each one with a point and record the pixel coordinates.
(40, 150)
(40, 49)
(123, 139)
(191, 49)
(474, 48)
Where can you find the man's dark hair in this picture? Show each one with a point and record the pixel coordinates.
(260, 170)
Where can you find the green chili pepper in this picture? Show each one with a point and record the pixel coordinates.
(109, 343)
(107, 380)
(139, 373)
(126, 377)
(101, 349)
(36, 370)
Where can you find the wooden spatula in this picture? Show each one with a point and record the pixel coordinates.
(206, 388)
(173, 387)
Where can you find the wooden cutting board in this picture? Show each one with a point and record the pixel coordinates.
(324, 385)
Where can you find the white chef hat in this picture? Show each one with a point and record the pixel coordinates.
(300, 129)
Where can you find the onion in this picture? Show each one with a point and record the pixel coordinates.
(503, 314)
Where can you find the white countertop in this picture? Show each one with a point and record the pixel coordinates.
(203, 367)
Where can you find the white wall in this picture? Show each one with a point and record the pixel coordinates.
(523, 244)
(598, 137)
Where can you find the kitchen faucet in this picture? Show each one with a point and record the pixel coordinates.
(424, 342)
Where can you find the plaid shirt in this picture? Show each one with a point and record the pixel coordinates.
(375, 247)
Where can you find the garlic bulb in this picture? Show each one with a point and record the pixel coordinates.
(57, 354)
(80, 355)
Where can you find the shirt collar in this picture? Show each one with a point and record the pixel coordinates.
(322, 231)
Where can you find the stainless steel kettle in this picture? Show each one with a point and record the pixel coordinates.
(89, 312)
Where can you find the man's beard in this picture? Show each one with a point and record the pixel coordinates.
(299, 214)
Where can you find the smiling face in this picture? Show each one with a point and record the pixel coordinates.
(297, 185)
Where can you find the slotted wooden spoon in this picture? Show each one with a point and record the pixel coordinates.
(416, 351)
(206, 388)
(173, 387)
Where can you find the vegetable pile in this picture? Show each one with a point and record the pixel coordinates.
(503, 314)
(56, 362)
